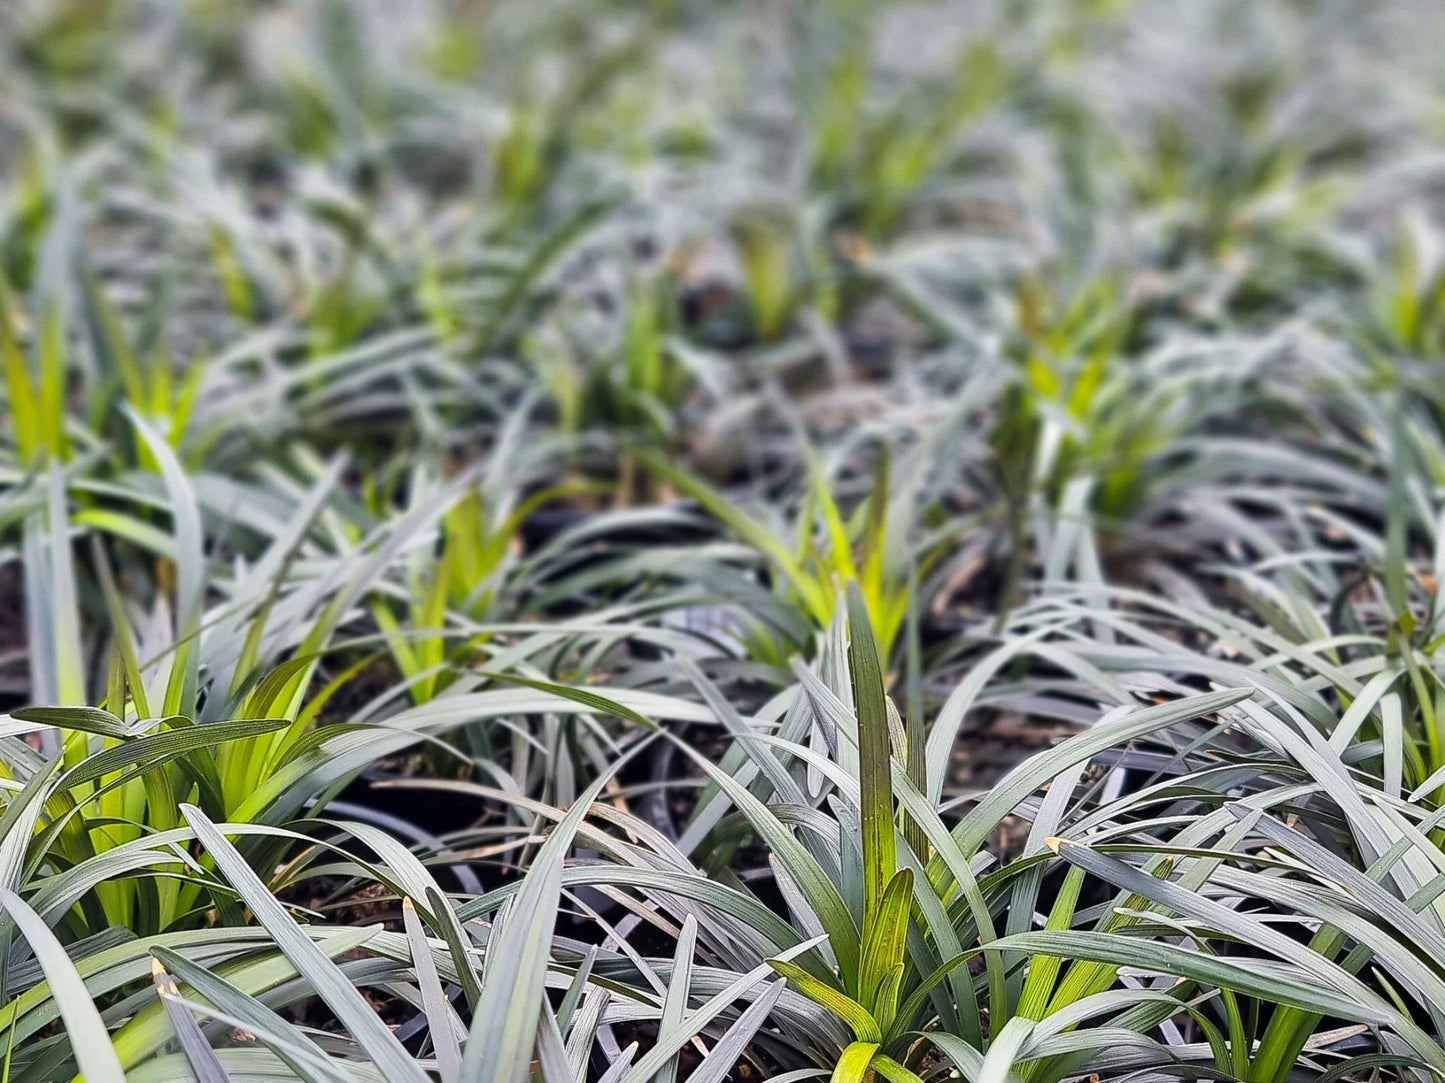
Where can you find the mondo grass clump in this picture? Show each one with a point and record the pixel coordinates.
(698, 543)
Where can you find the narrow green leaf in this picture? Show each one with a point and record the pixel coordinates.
(355, 1013)
(198, 1052)
(159, 748)
(282, 1037)
(880, 856)
(722, 1059)
(844, 1007)
(1044, 969)
(883, 945)
(674, 1004)
(854, 1062)
(504, 1026)
(84, 719)
(433, 999)
(891, 1070)
(89, 1039)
